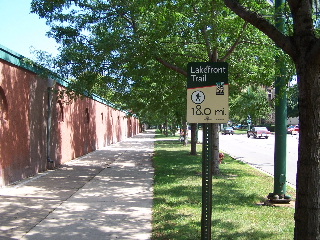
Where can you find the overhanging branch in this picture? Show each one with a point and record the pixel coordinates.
(235, 44)
(171, 66)
(263, 25)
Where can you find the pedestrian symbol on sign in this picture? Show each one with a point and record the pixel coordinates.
(197, 97)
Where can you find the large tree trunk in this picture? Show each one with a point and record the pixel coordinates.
(307, 214)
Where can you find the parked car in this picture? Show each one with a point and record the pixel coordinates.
(293, 129)
(259, 132)
(228, 130)
(236, 127)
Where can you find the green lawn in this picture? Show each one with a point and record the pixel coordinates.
(237, 196)
(241, 131)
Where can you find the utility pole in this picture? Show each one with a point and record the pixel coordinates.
(280, 148)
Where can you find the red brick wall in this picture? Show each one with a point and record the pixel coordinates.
(77, 127)
(21, 136)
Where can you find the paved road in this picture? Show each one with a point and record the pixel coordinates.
(260, 152)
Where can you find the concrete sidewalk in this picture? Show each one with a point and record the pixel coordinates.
(106, 194)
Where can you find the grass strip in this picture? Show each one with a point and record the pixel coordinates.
(237, 212)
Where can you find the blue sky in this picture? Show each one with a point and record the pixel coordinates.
(20, 30)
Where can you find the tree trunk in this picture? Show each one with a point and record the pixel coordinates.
(185, 133)
(166, 128)
(194, 138)
(307, 214)
(215, 133)
(215, 149)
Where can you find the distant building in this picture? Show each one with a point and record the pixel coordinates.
(293, 121)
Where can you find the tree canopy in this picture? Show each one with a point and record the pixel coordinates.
(116, 48)
(253, 102)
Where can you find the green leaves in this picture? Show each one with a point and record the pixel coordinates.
(135, 48)
(253, 102)
(292, 101)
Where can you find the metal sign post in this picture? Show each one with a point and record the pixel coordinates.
(206, 182)
(207, 103)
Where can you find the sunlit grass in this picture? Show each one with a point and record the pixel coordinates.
(241, 131)
(237, 194)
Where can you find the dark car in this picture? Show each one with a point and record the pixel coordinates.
(259, 132)
(228, 130)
